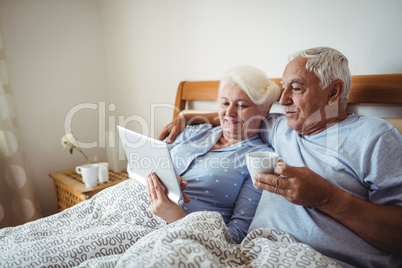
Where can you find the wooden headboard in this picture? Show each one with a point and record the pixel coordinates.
(365, 89)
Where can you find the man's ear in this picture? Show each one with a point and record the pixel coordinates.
(335, 91)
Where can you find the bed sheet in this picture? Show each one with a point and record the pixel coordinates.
(115, 228)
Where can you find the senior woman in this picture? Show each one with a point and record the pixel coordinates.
(107, 225)
(211, 160)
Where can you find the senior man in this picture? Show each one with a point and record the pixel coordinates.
(339, 188)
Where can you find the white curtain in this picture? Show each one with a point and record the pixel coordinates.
(17, 199)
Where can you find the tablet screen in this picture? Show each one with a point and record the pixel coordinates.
(146, 154)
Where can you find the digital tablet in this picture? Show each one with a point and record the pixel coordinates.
(144, 155)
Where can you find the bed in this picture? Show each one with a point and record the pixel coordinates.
(115, 228)
(379, 95)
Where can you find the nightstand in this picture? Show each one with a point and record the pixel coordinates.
(71, 190)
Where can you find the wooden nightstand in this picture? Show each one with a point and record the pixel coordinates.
(71, 190)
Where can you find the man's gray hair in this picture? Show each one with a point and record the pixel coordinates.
(329, 65)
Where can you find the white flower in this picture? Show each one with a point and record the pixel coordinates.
(68, 141)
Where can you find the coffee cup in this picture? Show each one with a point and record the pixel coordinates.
(103, 172)
(89, 173)
(261, 162)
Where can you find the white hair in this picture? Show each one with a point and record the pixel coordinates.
(254, 83)
(328, 64)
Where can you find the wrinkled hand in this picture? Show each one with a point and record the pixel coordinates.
(160, 204)
(183, 184)
(173, 129)
(298, 185)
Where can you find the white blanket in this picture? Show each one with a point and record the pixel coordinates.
(115, 228)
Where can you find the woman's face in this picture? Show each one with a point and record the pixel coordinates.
(240, 118)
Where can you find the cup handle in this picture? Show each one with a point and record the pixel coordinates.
(78, 170)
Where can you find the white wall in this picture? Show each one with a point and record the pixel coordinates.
(56, 60)
(153, 45)
(134, 53)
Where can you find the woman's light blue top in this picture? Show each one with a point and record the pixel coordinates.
(218, 180)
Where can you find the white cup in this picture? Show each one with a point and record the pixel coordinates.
(261, 162)
(103, 171)
(89, 173)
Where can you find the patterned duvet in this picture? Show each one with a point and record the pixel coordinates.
(115, 228)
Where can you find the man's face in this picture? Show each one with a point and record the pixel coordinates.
(303, 98)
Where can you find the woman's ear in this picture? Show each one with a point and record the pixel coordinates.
(335, 91)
